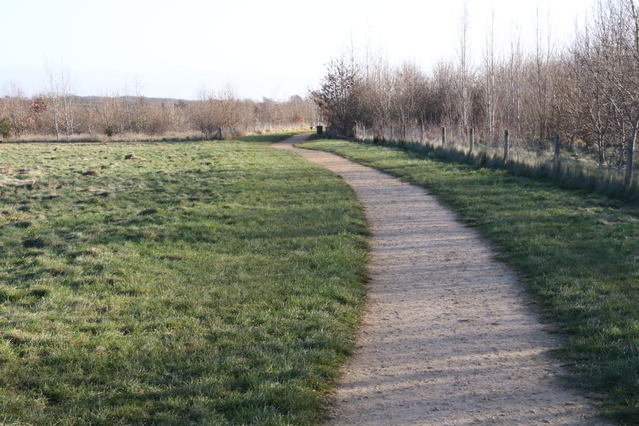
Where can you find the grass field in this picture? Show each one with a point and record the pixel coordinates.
(578, 254)
(173, 283)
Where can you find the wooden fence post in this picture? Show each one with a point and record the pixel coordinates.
(555, 158)
(505, 146)
(471, 137)
(443, 136)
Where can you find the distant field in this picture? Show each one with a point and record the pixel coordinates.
(578, 254)
(173, 283)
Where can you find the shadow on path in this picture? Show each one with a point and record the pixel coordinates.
(448, 337)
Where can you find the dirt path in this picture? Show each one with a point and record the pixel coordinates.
(448, 337)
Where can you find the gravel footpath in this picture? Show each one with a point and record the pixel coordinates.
(448, 336)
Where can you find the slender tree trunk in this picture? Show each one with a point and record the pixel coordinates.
(630, 149)
(68, 116)
(471, 140)
(56, 120)
(464, 71)
(490, 79)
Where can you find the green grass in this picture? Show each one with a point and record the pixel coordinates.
(193, 283)
(572, 172)
(269, 137)
(578, 253)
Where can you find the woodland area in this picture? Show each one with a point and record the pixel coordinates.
(587, 92)
(59, 114)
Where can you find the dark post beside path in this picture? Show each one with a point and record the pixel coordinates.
(505, 146)
(471, 140)
(555, 158)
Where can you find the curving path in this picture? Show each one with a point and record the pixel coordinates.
(448, 336)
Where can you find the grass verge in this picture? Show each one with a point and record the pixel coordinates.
(269, 137)
(577, 252)
(569, 173)
(173, 284)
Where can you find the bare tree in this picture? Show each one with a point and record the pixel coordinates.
(111, 113)
(464, 70)
(203, 113)
(134, 106)
(586, 103)
(513, 83)
(411, 96)
(339, 96)
(230, 109)
(610, 55)
(377, 92)
(445, 103)
(17, 107)
(61, 92)
(542, 58)
(490, 97)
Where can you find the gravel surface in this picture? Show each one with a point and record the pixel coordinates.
(448, 337)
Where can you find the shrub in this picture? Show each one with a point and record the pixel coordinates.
(5, 127)
(109, 131)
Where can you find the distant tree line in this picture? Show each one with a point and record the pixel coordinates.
(586, 92)
(57, 113)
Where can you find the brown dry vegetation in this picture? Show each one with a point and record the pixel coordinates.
(587, 92)
(58, 114)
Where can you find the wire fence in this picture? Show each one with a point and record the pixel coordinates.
(578, 162)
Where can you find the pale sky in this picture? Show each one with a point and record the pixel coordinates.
(275, 48)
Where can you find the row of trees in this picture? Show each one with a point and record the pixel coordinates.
(587, 92)
(57, 113)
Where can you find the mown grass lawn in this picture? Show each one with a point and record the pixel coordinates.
(578, 254)
(173, 283)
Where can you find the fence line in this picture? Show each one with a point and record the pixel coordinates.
(533, 154)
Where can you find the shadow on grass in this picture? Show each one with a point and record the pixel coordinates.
(269, 137)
